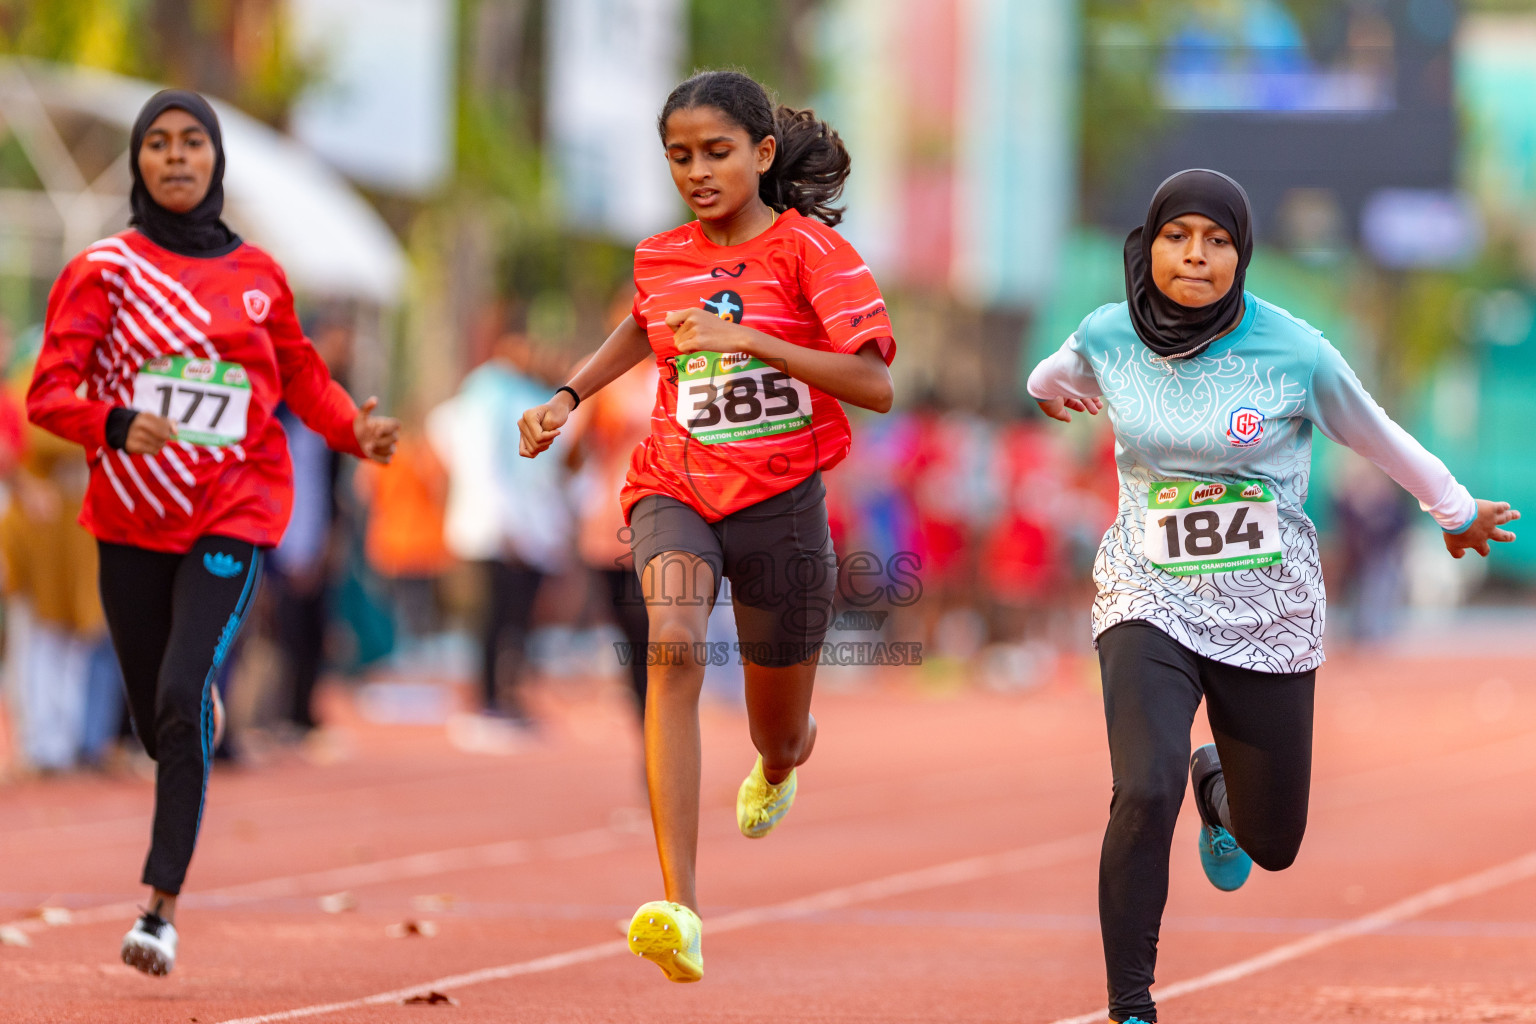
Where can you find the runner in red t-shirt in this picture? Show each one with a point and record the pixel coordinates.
(761, 319)
(167, 347)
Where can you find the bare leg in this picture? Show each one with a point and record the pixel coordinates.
(779, 716)
(673, 683)
(162, 905)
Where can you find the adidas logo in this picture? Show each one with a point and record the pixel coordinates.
(221, 565)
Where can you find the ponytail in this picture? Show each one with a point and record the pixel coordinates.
(809, 169)
(810, 164)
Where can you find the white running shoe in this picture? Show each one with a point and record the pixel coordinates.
(150, 945)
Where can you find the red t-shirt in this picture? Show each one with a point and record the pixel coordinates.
(748, 431)
(203, 331)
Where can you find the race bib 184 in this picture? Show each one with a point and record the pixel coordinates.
(208, 401)
(1195, 527)
(732, 396)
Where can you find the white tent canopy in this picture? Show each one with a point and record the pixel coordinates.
(327, 238)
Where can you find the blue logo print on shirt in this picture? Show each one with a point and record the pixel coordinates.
(221, 565)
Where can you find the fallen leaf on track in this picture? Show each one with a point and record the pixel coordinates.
(433, 998)
(426, 929)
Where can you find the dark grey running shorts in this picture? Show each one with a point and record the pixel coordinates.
(777, 554)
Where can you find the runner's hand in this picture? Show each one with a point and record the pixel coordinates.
(541, 425)
(697, 330)
(148, 433)
(376, 435)
(1056, 408)
(1490, 516)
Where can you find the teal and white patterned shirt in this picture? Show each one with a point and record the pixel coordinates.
(1237, 415)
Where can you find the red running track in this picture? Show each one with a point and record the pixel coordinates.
(940, 865)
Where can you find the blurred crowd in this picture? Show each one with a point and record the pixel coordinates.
(970, 533)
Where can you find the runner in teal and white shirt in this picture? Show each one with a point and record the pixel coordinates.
(1238, 418)
(1209, 583)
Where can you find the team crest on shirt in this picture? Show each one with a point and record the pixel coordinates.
(1245, 426)
(726, 305)
(257, 305)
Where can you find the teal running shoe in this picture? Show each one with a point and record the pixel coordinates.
(1225, 863)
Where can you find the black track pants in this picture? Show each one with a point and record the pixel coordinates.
(1262, 724)
(173, 618)
(514, 588)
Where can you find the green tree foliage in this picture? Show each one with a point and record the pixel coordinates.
(1118, 102)
(501, 183)
(768, 39)
(236, 50)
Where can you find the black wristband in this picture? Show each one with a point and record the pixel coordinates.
(575, 398)
(119, 419)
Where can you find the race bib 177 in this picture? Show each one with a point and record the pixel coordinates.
(732, 396)
(208, 401)
(1195, 527)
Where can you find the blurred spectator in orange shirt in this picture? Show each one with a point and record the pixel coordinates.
(404, 536)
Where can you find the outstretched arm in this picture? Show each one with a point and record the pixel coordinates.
(1062, 381)
(1345, 412)
(625, 347)
(322, 404)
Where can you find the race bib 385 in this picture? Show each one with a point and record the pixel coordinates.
(735, 397)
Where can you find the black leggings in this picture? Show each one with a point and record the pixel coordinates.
(173, 618)
(1262, 723)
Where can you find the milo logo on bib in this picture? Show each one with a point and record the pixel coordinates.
(200, 370)
(1194, 527)
(209, 401)
(732, 396)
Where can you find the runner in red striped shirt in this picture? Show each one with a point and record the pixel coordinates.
(761, 319)
(166, 349)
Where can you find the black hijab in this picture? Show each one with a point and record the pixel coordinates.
(199, 231)
(1165, 326)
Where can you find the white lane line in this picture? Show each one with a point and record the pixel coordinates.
(395, 869)
(954, 873)
(1517, 870)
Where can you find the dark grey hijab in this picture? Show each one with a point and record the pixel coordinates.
(1165, 326)
(199, 231)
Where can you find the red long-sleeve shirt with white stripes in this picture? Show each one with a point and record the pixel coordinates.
(200, 340)
(728, 431)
